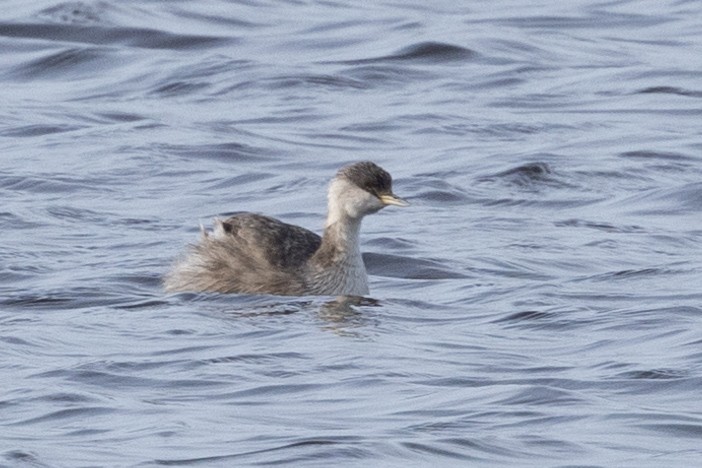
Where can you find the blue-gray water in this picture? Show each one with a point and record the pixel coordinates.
(539, 304)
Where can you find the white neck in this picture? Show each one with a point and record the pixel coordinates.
(339, 267)
(345, 232)
(340, 202)
(344, 272)
(344, 218)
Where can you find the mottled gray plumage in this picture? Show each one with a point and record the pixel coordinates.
(256, 254)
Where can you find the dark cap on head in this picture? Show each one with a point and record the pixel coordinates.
(368, 176)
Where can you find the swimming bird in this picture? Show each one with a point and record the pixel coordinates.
(256, 254)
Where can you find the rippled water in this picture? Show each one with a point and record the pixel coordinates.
(538, 305)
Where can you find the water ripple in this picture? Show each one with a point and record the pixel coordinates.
(537, 304)
(670, 90)
(423, 52)
(111, 36)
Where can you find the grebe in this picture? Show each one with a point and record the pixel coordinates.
(255, 254)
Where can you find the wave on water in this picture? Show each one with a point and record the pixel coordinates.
(422, 52)
(670, 90)
(111, 36)
(537, 304)
(397, 266)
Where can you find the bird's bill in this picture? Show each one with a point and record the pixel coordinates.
(392, 200)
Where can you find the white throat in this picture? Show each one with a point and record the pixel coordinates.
(348, 203)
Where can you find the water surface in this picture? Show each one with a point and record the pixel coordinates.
(539, 303)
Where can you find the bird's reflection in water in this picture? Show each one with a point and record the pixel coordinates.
(343, 317)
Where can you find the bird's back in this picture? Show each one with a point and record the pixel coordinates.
(247, 253)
